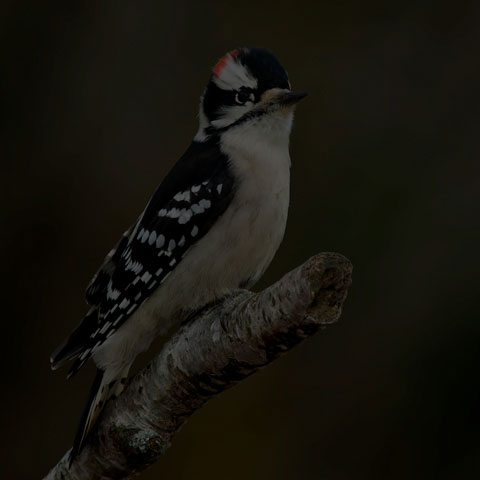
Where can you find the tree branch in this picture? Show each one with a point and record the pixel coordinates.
(219, 347)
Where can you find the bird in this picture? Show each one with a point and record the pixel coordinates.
(212, 226)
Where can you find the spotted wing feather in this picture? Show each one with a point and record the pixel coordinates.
(194, 194)
(99, 283)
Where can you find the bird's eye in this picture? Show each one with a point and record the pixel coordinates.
(244, 96)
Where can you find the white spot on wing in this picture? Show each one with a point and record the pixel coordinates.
(196, 208)
(152, 238)
(136, 267)
(84, 354)
(182, 196)
(219, 188)
(173, 262)
(185, 216)
(181, 243)
(160, 241)
(146, 276)
(113, 294)
(194, 231)
(195, 188)
(171, 245)
(173, 213)
(125, 303)
(105, 327)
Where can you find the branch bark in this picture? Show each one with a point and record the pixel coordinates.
(212, 352)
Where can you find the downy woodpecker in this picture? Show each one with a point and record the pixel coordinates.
(213, 225)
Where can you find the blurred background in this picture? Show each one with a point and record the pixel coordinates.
(98, 101)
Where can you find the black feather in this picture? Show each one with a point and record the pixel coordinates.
(74, 345)
(139, 265)
(79, 437)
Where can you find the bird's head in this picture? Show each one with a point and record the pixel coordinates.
(247, 86)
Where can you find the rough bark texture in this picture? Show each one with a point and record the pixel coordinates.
(213, 351)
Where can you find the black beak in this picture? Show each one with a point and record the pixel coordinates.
(290, 98)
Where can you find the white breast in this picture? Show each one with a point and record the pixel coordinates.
(237, 249)
(240, 246)
(261, 162)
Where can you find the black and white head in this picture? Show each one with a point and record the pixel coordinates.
(248, 87)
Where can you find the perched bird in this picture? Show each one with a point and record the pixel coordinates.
(213, 225)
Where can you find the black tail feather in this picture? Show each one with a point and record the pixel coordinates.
(86, 415)
(77, 342)
(77, 365)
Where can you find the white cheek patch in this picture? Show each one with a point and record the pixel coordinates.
(233, 76)
(230, 115)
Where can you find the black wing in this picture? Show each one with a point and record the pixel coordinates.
(194, 194)
(97, 286)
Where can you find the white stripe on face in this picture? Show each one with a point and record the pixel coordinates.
(229, 115)
(233, 76)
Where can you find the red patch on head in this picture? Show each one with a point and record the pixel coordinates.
(223, 61)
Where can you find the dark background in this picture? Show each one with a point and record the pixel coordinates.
(98, 101)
